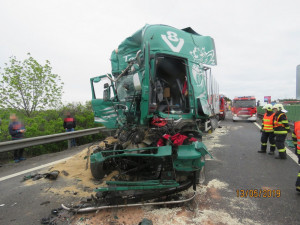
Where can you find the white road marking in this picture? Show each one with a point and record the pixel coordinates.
(33, 169)
(288, 151)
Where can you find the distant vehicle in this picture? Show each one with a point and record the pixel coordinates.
(244, 108)
(223, 107)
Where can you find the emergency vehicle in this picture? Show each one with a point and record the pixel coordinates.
(244, 108)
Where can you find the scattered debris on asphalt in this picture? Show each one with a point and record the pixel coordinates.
(146, 222)
(65, 173)
(51, 175)
(45, 203)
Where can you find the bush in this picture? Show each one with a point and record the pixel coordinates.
(50, 122)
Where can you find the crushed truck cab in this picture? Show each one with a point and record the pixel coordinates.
(157, 99)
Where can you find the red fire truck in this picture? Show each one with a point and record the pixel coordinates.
(244, 108)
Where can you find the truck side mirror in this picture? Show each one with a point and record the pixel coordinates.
(106, 92)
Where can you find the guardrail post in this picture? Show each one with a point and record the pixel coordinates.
(69, 143)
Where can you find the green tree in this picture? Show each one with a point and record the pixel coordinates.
(28, 86)
(227, 99)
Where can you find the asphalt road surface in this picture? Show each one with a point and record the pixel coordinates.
(21, 203)
(239, 165)
(235, 171)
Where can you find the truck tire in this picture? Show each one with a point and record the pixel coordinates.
(97, 170)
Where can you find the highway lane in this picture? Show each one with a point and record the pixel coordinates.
(238, 164)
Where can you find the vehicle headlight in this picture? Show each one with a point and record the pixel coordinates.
(234, 115)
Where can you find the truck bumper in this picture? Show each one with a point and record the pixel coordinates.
(240, 118)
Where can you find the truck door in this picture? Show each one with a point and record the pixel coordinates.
(103, 97)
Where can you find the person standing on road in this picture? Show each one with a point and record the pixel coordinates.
(267, 131)
(297, 150)
(69, 125)
(281, 128)
(16, 130)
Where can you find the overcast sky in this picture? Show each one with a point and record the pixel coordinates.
(257, 42)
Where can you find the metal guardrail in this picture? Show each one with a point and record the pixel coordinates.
(28, 142)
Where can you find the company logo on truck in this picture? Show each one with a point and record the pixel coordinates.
(171, 38)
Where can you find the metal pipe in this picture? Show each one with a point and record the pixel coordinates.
(89, 209)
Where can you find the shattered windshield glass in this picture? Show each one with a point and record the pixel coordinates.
(125, 87)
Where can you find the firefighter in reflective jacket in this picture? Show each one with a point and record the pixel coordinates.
(297, 146)
(281, 128)
(267, 131)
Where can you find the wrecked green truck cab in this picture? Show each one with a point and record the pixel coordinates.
(157, 99)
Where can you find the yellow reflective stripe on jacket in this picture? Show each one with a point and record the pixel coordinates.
(268, 128)
(294, 135)
(285, 121)
(298, 174)
(280, 132)
(267, 120)
(298, 151)
(281, 150)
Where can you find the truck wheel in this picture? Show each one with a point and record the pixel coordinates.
(97, 170)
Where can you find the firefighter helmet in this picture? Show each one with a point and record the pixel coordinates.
(268, 107)
(278, 107)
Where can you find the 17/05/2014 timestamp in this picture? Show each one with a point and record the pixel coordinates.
(258, 193)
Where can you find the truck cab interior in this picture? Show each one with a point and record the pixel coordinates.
(171, 85)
